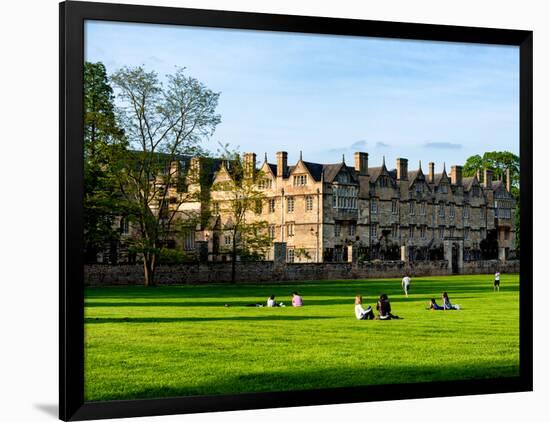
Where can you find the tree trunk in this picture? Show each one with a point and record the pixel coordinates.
(233, 259)
(149, 269)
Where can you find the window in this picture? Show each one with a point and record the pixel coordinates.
(466, 233)
(451, 232)
(411, 231)
(290, 255)
(482, 233)
(451, 210)
(506, 234)
(373, 230)
(258, 206)
(265, 184)
(271, 205)
(443, 188)
(423, 208)
(124, 226)
(395, 231)
(290, 204)
(411, 208)
(441, 232)
(343, 178)
(173, 200)
(189, 240)
(466, 211)
(300, 180)
(309, 203)
(352, 229)
(272, 232)
(419, 187)
(215, 208)
(374, 206)
(394, 209)
(290, 229)
(475, 191)
(441, 209)
(423, 232)
(337, 229)
(344, 197)
(383, 182)
(227, 239)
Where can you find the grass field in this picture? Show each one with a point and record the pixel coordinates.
(174, 341)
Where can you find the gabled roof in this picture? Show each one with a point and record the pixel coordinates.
(468, 182)
(330, 171)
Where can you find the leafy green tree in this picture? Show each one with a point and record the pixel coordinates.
(165, 123)
(499, 162)
(240, 203)
(103, 139)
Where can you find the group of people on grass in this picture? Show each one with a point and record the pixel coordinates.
(383, 306)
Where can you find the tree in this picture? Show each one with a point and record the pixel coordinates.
(499, 162)
(165, 124)
(103, 139)
(240, 202)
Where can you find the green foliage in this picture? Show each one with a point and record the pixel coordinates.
(103, 140)
(173, 256)
(165, 124)
(181, 340)
(241, 196)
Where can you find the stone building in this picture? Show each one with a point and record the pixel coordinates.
(339, 212)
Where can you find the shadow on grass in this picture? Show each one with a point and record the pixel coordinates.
(330, 377)
(203, 319)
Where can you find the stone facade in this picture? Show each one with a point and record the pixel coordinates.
(340, 213)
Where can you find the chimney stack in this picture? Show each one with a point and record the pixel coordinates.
(195, 169)
(456, 175)
(362, 162)
(249, 164)
(402, 169)
(431, 172)
(282, 162)
(508, 180)
(487, 178)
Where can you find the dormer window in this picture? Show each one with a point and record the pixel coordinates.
(343, 178)
(300, 180)
(443, 188)
(383, 182)
(265, 184)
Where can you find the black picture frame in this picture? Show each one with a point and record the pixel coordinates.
(72, 16)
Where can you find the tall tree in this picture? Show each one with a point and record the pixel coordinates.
(240, 203)
(164, 123)
(102, 140)
(499, 162)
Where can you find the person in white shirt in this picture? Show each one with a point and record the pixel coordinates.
(271, 302)
(406, 284)
(361, 313)
(496, 285)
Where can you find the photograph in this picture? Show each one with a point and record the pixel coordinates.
(269, 211)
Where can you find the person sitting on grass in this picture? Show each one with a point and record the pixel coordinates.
(296, 299)
(384, 308)
(272, 304)
(447, 305)
(361, 313)
(434, 306)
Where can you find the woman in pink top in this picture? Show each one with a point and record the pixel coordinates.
(296, 299)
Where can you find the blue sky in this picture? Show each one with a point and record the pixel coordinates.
(333, 95)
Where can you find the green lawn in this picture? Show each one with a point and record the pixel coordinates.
(182, 340)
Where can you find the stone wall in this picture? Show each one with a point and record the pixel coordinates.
(254, 272)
